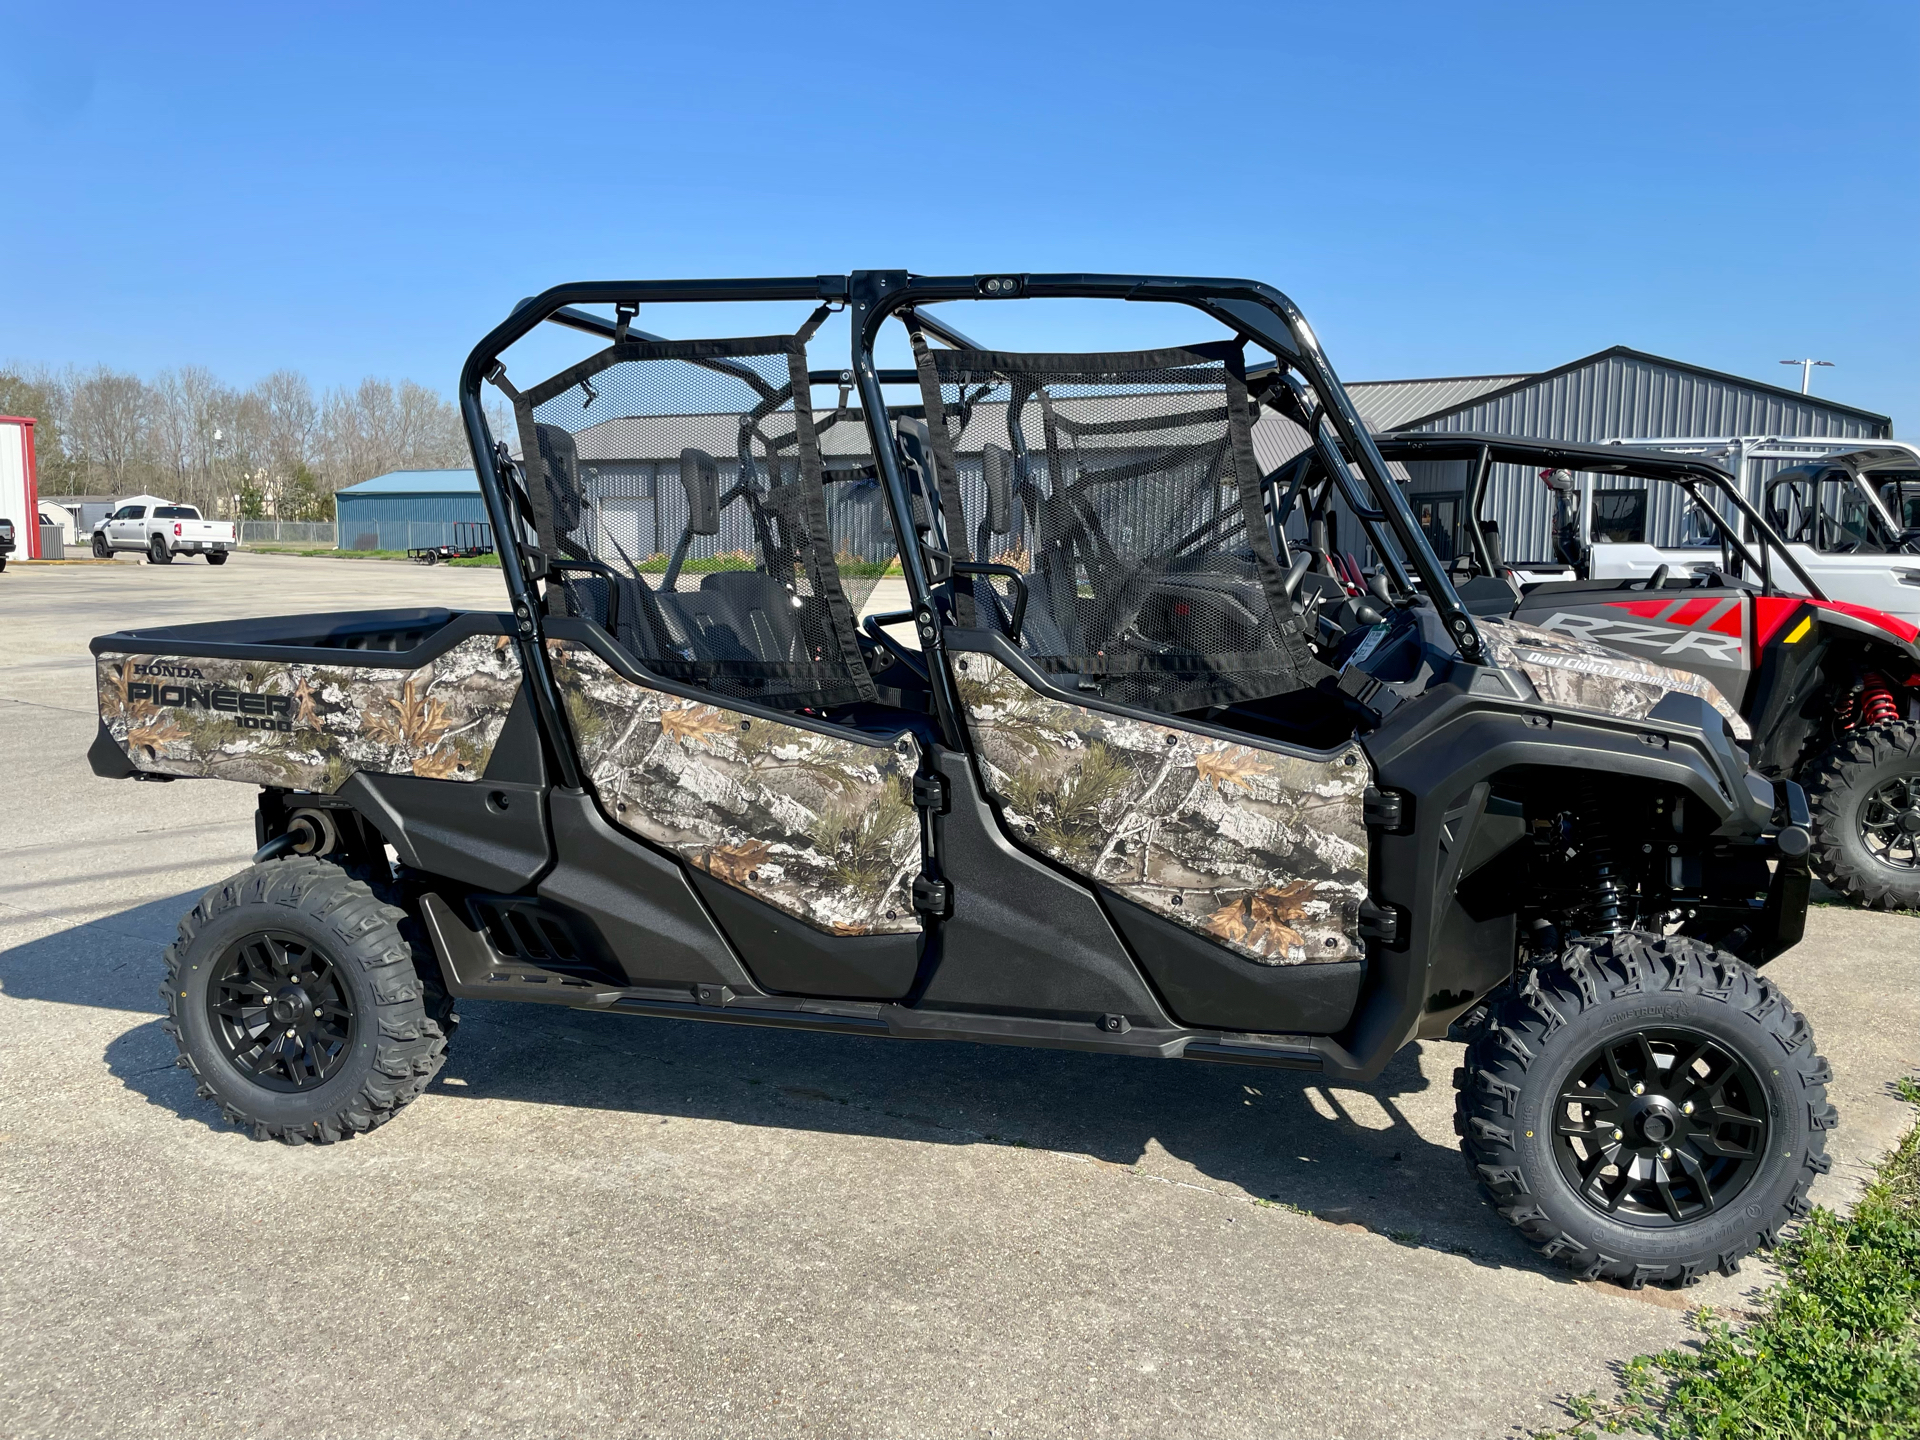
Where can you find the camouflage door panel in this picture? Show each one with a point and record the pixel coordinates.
(1584, 676)
(1261, 851)
(310, 727)
(819, 827)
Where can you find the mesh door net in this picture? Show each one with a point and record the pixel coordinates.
(1125, 489)
(686, 468)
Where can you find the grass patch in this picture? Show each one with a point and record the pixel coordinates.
(329, 553)
(326, 553)
(741, 560)
(1834, 1352)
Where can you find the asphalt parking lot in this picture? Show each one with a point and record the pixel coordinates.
(615, 1226)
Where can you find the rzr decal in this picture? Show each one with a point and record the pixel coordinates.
(1709, 629)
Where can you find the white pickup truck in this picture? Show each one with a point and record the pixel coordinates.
(163, 530)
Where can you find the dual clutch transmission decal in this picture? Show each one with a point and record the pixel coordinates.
(309, 727)
(1584, 676)
(1262, 851)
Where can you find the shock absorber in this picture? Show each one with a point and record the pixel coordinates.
(1603, 870)
(1875, 704)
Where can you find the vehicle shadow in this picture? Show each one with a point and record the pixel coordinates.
(1380, 1157)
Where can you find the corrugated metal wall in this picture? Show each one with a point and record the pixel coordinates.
(403, 522)
(638, 508)
(1620, 395)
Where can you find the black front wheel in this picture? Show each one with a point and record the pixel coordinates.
(101, 550)
(1865, 798)
(293, 996)
(1645, 1108)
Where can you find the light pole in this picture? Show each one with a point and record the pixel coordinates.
(1806, 372)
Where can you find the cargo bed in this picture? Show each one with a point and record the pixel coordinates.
(305, 701)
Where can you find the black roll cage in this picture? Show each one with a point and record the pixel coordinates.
(1254, 311)
(1486, 451)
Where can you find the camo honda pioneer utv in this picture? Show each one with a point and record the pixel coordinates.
(1133, 781)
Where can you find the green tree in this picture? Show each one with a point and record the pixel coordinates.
(39, 402)
(306, 497)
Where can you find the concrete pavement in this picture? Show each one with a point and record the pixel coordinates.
(595, 1224)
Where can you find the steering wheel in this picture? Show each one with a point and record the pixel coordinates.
(1659, 576)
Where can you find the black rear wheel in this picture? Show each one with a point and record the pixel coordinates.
(293, 996)
(1644, 1108)
(1865, 798)
(158, 553)
(281, 1011)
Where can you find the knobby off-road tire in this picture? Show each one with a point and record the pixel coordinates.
(1537, 1042)
(1869, 782)
(386, 1042)
(101, 550)
(158, 553)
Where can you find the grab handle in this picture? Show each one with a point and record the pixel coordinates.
(983, 567)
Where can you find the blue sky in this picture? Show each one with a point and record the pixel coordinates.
(1449, 189)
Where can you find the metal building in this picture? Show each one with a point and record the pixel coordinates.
(1616, 394)
(407, 509)
(19, 495)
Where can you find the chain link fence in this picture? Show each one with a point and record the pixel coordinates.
(320, 533)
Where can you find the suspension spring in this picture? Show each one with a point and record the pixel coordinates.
(1603, 871)
(1873, 704)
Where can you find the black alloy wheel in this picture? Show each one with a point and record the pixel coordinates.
(101, 550)
(1660, 1127)
(280, 1011)
(1644, 1108)
(158, 553)
(1890, 822)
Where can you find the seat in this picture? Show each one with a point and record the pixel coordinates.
(781, 633)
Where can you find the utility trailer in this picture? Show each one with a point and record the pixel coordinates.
(1141, 784)
(470, 538)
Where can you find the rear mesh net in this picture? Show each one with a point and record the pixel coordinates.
(1124, 489)
(686, 468)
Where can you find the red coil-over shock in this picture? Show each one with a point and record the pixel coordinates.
(1872, 704)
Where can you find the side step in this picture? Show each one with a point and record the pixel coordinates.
(475, 965)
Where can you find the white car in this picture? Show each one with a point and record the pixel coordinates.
(163, 530)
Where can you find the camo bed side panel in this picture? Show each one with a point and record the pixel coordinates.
(1261, 851)
(310, 727)
(1584, 676)
(821, 828)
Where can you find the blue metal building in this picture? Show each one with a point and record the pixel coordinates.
(407, 509)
